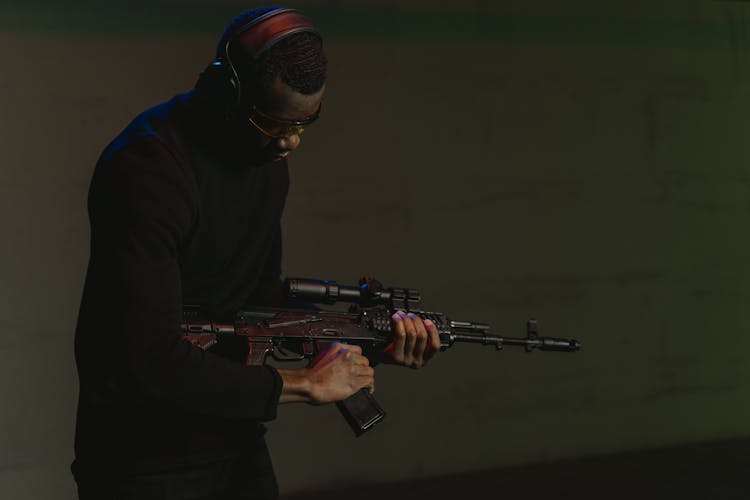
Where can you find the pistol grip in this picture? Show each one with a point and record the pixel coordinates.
(361, 411)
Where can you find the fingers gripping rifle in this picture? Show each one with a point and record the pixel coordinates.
(297, 334)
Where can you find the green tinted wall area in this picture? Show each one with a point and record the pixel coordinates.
(700, 27)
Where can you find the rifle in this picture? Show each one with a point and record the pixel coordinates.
(296, 334)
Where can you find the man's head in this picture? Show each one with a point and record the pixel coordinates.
(276, 70)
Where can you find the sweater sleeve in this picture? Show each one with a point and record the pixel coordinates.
(142, 205)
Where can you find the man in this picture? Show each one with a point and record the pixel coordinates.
(185, 207)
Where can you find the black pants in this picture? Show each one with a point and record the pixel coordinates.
(245, 478)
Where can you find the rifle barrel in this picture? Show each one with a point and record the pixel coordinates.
(529, 343)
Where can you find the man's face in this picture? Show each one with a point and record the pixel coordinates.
(284, 104)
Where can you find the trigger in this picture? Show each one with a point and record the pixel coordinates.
(308, 349)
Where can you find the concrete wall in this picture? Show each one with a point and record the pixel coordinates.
(585, 165)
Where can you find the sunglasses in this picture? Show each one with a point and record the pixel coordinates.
(278, 128)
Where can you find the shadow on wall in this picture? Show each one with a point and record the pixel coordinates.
(706, 471)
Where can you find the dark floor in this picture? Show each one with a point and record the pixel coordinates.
(708, 471)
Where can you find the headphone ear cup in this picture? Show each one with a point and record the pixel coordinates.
(218, 85)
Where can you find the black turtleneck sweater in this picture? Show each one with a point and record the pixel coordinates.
(176, 218)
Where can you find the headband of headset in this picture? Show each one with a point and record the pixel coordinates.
(265, 31)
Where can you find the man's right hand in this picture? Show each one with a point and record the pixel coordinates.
(333, 375)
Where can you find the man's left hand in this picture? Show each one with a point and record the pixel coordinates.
(415, 341)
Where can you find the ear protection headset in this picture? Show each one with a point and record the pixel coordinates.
(256, 37)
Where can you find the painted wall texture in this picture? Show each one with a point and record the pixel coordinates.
(586, 166)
